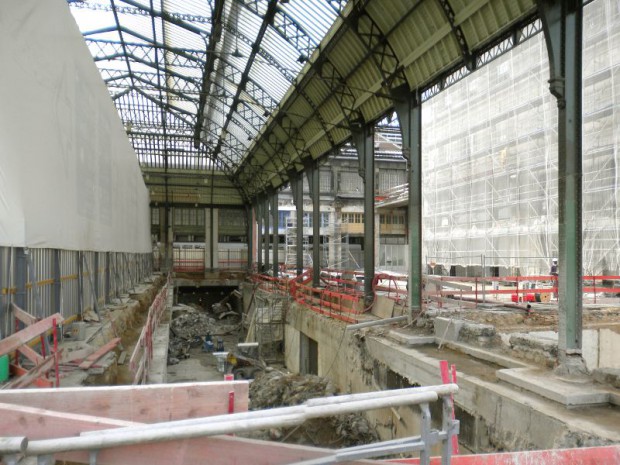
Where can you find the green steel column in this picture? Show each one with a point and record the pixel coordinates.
(249, 221)
(259, 236)
(266, 236)
(313, 174)
(364, 141)
(409, 111)
(275, 238)
(297, 188)
(562, 25)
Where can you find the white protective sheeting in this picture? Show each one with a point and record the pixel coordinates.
(69, 178)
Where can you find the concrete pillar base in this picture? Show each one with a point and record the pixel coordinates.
(573, 366)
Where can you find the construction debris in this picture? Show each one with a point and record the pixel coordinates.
(224, 304)
(275, 389)
(188, 326)
(191, 328)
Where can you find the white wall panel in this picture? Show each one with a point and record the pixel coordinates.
(69, 178)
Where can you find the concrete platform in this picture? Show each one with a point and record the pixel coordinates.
(410, 340)
(158, 369)
(484, 354)
(571, 393)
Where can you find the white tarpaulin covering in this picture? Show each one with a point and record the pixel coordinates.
(69, 178)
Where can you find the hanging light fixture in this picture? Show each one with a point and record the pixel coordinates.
(237, 53)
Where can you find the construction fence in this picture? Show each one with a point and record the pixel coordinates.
(48, 281)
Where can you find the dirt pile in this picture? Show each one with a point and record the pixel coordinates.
(274, 389)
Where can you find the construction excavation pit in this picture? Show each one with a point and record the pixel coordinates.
(200, 339)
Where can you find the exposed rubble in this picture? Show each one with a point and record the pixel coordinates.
(191, 326)
(275, 389)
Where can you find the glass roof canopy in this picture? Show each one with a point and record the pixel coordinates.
(241, 89)
(194, 81)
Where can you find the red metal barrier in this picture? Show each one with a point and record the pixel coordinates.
(143, 351)
(606, 455)
(336, 300)
(189, 265)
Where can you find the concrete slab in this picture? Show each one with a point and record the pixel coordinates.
(544, 383)
(410, 340)
(383, 307)
(192, 369)
(486, 355)
(158, 368)
(447, 329)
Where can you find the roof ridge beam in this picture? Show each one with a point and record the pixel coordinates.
(271, 8)
(214, 38)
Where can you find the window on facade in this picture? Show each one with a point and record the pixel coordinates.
(283, 218)
(350, 182)
(390, 178)
(324, 219)
(325, 181)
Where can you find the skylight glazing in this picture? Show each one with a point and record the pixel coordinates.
(159, 57)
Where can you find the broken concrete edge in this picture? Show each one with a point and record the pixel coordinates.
(486, 355)
(493, 402)
(610, 376)
(158, 368)
(115, 320)
(556, 389)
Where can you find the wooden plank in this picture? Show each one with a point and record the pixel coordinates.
(16, 370)
(39, 424)
(148, 403)
(77, 355)
(12, 342)
(100, 352)
(30, 354)
(218, 450)
(122, 357)
(36, 423)
(32, 375)
(23, 315)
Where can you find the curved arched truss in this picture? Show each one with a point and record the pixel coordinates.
(252, 88)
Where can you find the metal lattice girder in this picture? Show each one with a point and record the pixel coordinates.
(109, 49)
(376, 42)
(255, 91)
(457, 32)
(337, 5)
(180, 85)
(285, 26)
(214, 38)
(120, 33)
(337, 84)
(277, 159)
(140, 11)
(292, 137)
(269, 14)
(172, 19)
(373, 44)
(247, 163)
(235, 145)
(251, 114)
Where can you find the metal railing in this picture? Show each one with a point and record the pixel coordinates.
(14, 448)
(140, 360)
